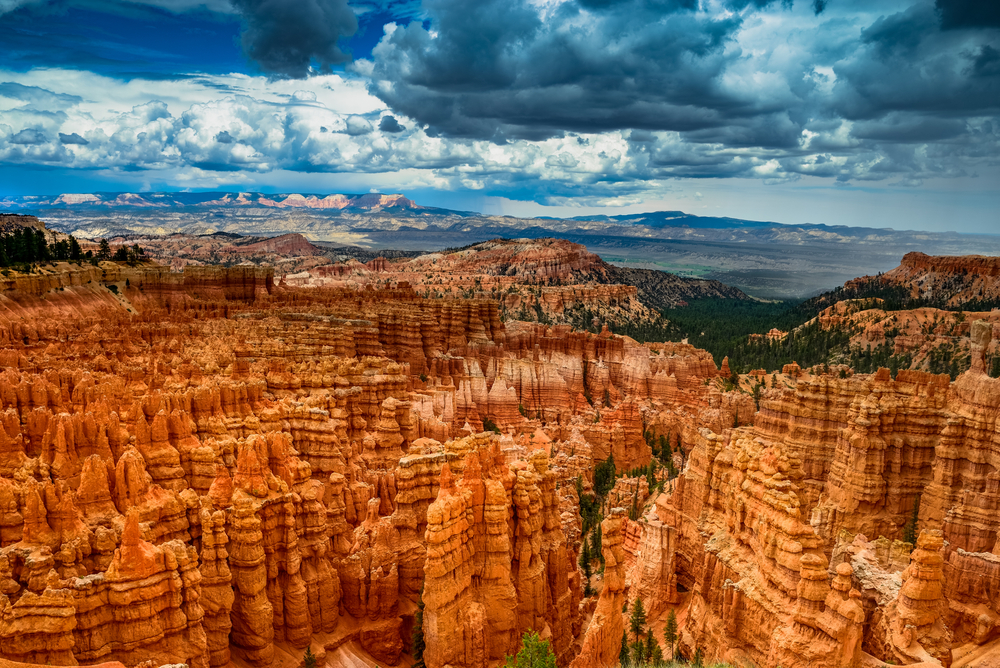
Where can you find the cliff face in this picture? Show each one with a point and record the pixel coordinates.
(204, 467)
(208, 468)
(920, 313)
(767, 541)
(542, 280)
(916, 265)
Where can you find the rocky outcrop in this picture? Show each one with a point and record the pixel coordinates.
(266, 467)
(603, 638)
(217, 595)
(459, 608)
(914, 625)
(252, 632)
(759, 527)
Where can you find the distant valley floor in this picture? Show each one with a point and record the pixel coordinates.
(763, 270)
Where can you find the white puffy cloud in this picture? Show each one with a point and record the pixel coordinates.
(206, 131)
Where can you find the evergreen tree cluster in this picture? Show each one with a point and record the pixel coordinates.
(26, 246)
(950, 359)
(604, 476)
(663, 450)
(419, 644)
(644, 649)
(490, 425)
(723, 328)
(912, 524)
(592, 513)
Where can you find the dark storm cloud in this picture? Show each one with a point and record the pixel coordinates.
(501, 72)
(968, 13)
(72, 138)
(581, 97)
(906, 64)
(390, 124)
(739, 5)
(844, 98)
(986, 63)
(29, 137)
(909, 128)
(287, 37)
(660, 5)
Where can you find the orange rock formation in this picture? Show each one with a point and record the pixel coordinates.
(207, 467)
(203, 467)
(762, 541)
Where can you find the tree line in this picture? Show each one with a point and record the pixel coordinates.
(26, 246)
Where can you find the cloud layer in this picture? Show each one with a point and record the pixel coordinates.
(548, 99)
(846, 90)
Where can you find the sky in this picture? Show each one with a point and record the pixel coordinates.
(883, 113)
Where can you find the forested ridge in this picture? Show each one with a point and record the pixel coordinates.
(22, 247)
(724, 328)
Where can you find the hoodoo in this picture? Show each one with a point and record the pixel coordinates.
(208, 468)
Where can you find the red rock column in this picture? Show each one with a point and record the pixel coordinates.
(252, 617)
(216, 586)
(918, 629)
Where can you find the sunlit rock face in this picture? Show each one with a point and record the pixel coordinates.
(213, 468)
(205, 467)
(781, 542)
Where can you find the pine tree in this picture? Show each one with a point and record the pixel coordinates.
(40, 248)
(604, 476)
(698, 661)
(309, 659)
(17, 244)
(595, 544)
(419, 644)
(535, 653)
(75, 252)
(104, 250)
(638, 653)
(670, 632)
(651, 648)
(623, 652)
(637, 622)
(656, 658)
(910, 528)
(585, 567)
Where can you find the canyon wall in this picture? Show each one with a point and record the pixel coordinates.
(781, 542)
(205, 467)
(212, 468)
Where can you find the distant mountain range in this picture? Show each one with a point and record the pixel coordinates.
(765, 259)
(181, 200)
(660, 224)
